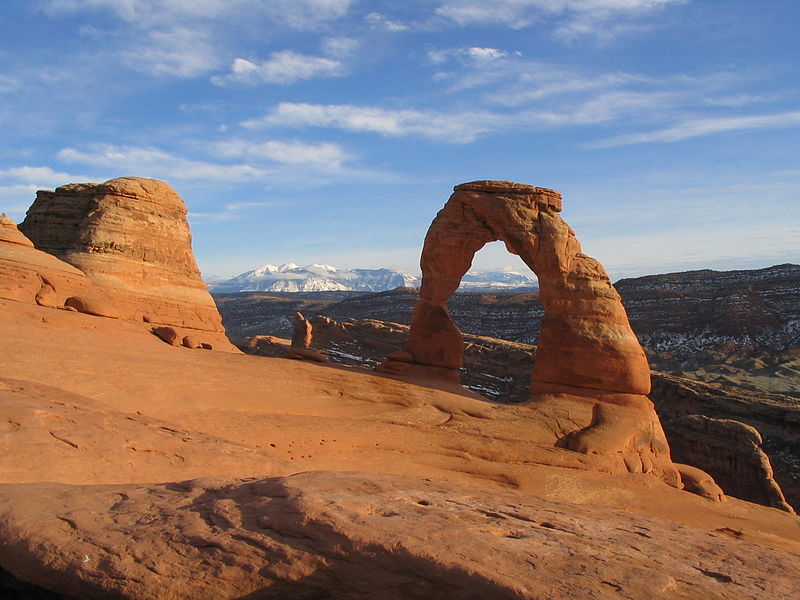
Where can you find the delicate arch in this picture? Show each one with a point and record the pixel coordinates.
(586, 340)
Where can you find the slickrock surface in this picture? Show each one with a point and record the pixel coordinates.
(131, 239)
(311, 480)
(347, 535)
(591, 376)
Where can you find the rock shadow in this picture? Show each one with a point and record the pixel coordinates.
(271, 520)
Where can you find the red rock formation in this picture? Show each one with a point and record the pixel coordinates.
(591, 376)
(302, 336)
(302, 333)
(29, 275)
(131, 239)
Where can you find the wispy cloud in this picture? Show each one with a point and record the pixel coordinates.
(9, 85)
(340, 47)
(40, 176)
(18, 186)
(572, 17)
(452, 127)
(535, 94)
(324, 155)
(475, 54)
(379, 21)
(737, 100)
(701, 127)
(178, 52)
(300, 14)
(282, 67)
(154, 162)
(233, 211)
(184, 38)
(457, 127)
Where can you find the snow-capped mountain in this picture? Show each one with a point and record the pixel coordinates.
(314, 278)
(506, 280)
(326, 278)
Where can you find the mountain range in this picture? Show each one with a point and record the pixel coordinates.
(326, 278)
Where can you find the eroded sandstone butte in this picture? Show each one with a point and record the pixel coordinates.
(591, 376)
(130, 237)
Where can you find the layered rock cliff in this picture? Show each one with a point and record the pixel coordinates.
(731, 452)
(774, 419)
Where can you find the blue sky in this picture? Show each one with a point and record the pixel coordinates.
(333, 130)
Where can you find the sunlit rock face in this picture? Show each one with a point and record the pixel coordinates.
(32, 276)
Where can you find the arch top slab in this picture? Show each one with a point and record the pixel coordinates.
(544, 196)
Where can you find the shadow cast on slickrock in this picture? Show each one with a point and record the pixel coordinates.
(344, 567)
(12, 588)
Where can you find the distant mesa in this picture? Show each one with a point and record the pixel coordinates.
(118, 249)
(590, 377)
(326, 278)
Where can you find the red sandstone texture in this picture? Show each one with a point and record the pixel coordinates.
(130, 238)
(29, 275)
(591, 376)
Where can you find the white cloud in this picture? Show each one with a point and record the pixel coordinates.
(282, 67)
(379, 21)
(325, 155)
(475, 56)
(187, 38)
(514, 80)
(42, 177)
(300, 14)
(701, 127)
(18, 186)
(153, 162)
(339, 47)
(485, 54)
(179, 52)
(452, 127)
(574, 17)
(611, 106)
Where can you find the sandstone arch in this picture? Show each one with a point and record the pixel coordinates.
(591, 376)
